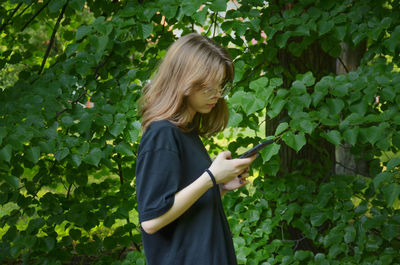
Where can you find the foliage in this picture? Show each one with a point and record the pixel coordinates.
(67, 169)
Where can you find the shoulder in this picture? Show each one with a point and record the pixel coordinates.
(161, 125)
(163, 129)
(160, 135)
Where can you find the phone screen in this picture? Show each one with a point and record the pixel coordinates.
(256, 149)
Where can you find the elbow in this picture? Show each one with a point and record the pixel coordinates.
(149, 227)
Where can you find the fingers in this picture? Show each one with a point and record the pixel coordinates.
(225, 154)
(243, 178)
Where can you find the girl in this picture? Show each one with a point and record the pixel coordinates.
(178, 187)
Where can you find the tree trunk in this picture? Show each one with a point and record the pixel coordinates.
(313, 59)
(345, 162)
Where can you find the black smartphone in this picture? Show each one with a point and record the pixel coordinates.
(256, 149)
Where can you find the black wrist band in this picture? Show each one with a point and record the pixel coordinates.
(211, 176)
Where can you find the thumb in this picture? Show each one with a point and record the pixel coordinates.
(226, 154)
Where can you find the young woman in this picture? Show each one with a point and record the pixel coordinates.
(178, 187)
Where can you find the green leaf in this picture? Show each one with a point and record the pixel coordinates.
(118, 127)
(12, 181)
(275, 82)
(340, 32)
(149, 12)
(201, 16)
(350, 234)
(5, 153)
(281, 127)
(239, 28)
(234, 119)
(253, 216)
(298, 88)
(318, 218)
(82, 31)
(259, 84)
(272, 167)
(390, 231)
(71, 49)
(124, 149)
(249, 102)
(334, 137)
(393, 42)
(218, 5)
(373, 134)
(302, 255)
(169, 10)
(360, 108)
(388, 94)
(49, 243)
(382, 177)
(94, 156)
(276, 107)
(325, 26)
(340, 90)
(270, 151)
(239, 70)
(335, 105)
(281, 39)
(394, 162)
(61, 154)
(308, 79)
(33, 154)
(334, 251)
(146, 30)
(189, 7)
(77, 4)
(294, 141)
(100, 43)
(390, 193)
(67, 121)
(350, 135)
(56, 5)
(307, 126)
(76, 160)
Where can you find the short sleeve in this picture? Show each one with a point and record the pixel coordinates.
(158, 173)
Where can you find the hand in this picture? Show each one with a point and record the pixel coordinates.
(236, 182)
(226, 169)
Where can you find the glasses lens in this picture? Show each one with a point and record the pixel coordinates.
(226, 89)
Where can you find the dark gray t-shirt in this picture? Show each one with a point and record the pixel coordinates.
(168, 161)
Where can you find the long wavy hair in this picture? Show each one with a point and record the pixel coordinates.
(191, 63)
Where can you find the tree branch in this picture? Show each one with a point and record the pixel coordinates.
(9, 17)
(35, 15)
(69, 190)
(215, 23)
(212, 22)
(73, 102)
(121, 177)
(344, 66)
(53, 35)
(26, 8)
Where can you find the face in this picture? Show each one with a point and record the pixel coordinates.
(204, 100)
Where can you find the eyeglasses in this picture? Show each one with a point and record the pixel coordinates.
(212, 92)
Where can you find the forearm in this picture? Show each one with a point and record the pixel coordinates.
(182, 202)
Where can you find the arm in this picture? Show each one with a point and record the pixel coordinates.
(183, 200)
(223, 169)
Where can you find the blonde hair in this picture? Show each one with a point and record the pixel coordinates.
(192, 62)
